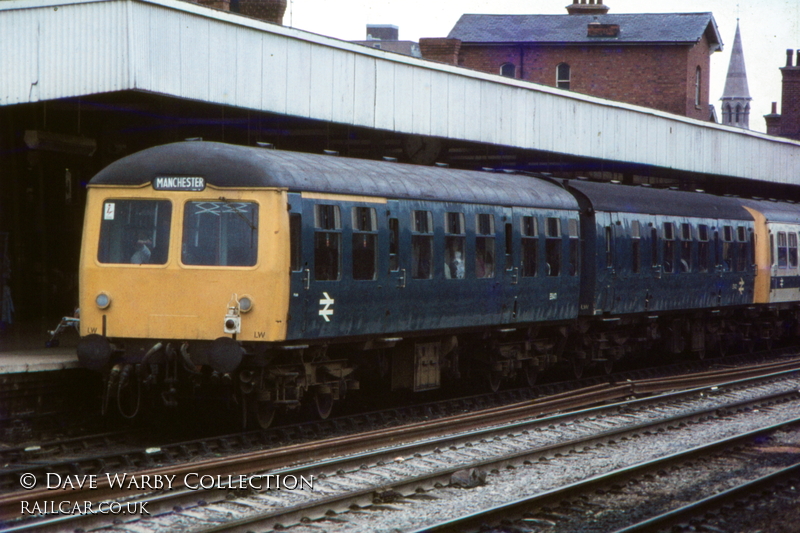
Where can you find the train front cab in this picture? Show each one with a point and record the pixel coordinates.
(174, 280)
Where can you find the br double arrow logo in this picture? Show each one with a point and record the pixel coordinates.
(326, 312)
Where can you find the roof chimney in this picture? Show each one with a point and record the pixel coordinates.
(267, 10)
(587, 7)
(789, 57)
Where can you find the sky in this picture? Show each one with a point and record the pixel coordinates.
(768, 28)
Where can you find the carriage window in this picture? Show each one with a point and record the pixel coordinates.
(421, 245)
(454, 241)
(552, 249)
(134, 232)
(636, 246)
(530, 246)
(220, 233)
(743, 253)
(609, 237)
(772, 249)
(394, 244)
(509, 246)
(686, 247)
(296, 241)
(484, 246)
(783, 250)
(728, 248)
(792, 250)
(574, 247)
(327, 242)
(365, 239)
(654, 246)
(702, 248)
(669, 246)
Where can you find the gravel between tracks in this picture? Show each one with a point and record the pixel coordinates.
(502, 486)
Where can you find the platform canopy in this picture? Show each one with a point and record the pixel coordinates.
(53, 49)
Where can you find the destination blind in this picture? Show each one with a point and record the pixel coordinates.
(179, 183)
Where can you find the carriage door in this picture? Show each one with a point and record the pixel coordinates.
(508, 266)
(299, 267)
(607, 269)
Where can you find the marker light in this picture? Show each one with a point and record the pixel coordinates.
(245, 304)
(102, 300)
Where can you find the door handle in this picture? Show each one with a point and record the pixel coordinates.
(306, 279)
(401, 280)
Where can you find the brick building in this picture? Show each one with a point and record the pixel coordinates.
(654, 60)
(787, 124)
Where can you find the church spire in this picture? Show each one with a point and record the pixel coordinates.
(736, 96)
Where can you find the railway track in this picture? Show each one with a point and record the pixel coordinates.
(602, 425)
(132, 449)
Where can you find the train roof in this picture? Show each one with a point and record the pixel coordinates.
(775, 211)
(612, 197)
(226, 165)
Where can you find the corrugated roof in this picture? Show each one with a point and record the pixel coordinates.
(634, 28)
(227, 165)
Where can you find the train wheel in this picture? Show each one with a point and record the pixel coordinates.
(265, 413)
(494, 379)
(323, 404)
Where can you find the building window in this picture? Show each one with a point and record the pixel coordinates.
(738, 113)
(697, 78)
(508, 70)
(562, 76)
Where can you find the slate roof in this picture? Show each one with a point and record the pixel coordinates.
(643, 28)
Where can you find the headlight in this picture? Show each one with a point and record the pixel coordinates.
(102, 300)
(245, 304)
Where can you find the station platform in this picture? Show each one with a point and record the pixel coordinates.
(23, 348)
